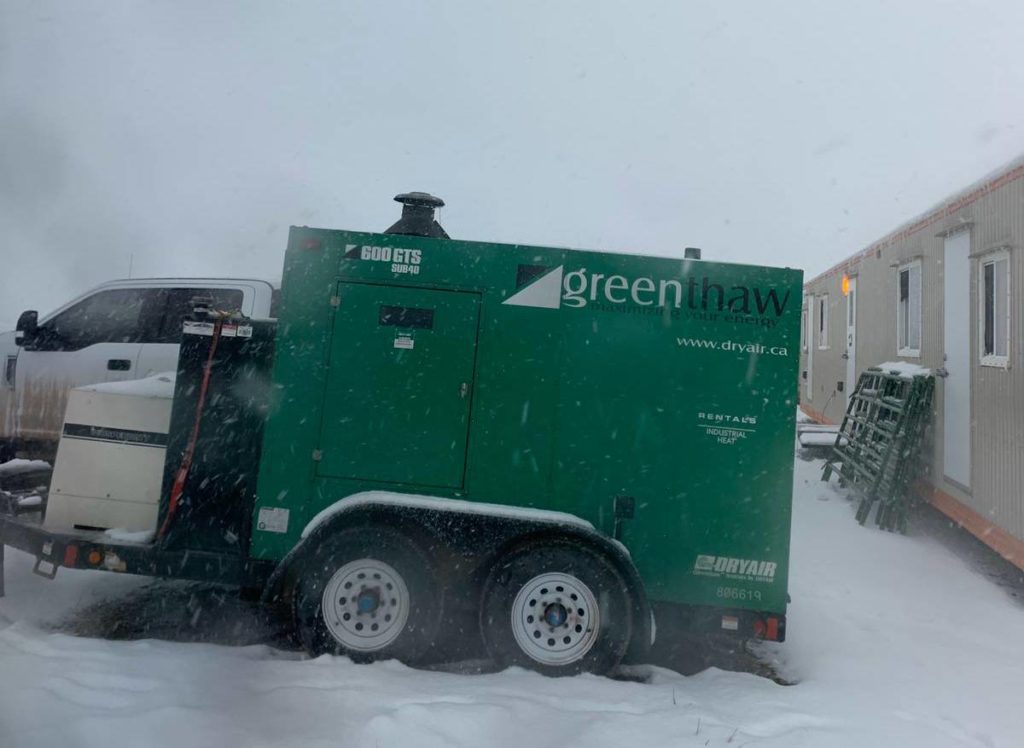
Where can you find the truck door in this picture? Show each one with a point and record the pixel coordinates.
(97, 339)
(399, 385)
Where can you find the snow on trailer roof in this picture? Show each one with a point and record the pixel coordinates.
(19, 465)
(905, 369)
(820, 439)
(159, 386)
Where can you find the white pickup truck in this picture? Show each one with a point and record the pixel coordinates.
(125, 329)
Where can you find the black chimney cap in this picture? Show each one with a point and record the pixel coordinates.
(420, 199)
(418, 215)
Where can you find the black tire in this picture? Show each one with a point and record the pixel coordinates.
(415, 638)
(511, 575)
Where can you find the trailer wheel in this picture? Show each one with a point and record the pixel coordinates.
(558, 608)
(368, 593)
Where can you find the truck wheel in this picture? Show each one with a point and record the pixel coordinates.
(558, 608)
(368, 593)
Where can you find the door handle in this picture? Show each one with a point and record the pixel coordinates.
(119, 364)
(463, 389)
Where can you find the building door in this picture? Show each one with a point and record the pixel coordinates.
(851, 338)
(399, 385)
(956, 389)
(812, 341)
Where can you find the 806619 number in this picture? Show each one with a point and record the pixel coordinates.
(737, 593)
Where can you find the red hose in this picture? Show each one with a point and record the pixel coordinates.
(190, 450)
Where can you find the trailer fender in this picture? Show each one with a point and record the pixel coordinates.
(397, 507)
(279, 584)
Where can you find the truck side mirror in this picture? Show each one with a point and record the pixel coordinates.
(27, 327)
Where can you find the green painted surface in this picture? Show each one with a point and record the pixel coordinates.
(593, 375)
(396, 405)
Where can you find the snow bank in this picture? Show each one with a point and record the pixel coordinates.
(905, 369)
(894, 642)
(158, 386)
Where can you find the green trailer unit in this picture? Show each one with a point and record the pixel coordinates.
(548, 450)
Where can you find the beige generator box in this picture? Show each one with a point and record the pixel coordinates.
(110, 460)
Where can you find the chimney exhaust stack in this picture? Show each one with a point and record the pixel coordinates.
(418, 216)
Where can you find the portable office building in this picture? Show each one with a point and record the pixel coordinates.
(942, 291)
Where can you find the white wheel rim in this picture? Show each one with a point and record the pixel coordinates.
(555, 619)
(365, 605)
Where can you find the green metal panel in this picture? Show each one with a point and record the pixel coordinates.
(597, 375)
(396, 404)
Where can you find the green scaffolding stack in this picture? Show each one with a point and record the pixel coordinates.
(877, 449)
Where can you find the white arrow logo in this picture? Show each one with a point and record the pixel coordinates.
(544, 293)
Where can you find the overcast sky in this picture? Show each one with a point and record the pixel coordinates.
(185, 137)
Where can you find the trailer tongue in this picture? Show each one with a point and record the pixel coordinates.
(541, 446)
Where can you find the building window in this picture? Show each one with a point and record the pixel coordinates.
(908, 309)
(110, 316)
(823, 321)
(994, 312)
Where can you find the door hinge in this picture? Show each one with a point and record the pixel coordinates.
(317, 455)
(335, 301)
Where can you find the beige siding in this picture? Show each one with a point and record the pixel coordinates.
(995, 220)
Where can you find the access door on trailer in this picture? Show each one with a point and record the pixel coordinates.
(956, 340)
(851, 337)
(399, 385)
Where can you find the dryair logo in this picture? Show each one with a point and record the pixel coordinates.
(735, 568)
(579, 288)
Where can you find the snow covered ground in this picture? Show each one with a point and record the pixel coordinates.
(894, 641)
